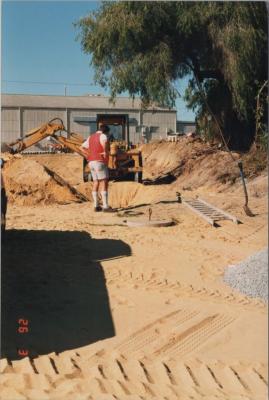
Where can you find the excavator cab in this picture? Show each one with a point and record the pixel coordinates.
(119, 128)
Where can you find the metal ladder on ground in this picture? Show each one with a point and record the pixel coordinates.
(209, 212)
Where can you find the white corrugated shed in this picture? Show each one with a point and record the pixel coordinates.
(21, 113)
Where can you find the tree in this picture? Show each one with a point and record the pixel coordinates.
(145, 47)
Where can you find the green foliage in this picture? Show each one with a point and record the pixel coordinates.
(129, 51)
(145, 47)
(239, 32)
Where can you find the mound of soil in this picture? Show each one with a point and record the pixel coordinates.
(190, 160)
(68, 166)
(27, 182)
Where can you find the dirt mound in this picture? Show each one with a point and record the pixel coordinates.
(29, 183)
(189, 159)
(258, 187)
(68, 166)
(192, 163)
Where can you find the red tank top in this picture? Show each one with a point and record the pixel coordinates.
(95, 149)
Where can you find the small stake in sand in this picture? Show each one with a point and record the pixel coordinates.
(149, 222)
(179, 200)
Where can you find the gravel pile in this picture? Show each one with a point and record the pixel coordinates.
(250, 276)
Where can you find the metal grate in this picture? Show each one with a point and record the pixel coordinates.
(210, 213)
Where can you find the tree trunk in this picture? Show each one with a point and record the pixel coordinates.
(239, 134)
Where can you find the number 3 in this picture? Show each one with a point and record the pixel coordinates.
(23, 352)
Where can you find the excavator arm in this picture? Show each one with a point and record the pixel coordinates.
(51, 129)
(73, 143)
(36, 135)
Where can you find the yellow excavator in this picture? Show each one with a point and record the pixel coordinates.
(124, 162)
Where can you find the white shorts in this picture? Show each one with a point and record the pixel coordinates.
(99, 170)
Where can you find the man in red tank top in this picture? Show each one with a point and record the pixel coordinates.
(96, 149)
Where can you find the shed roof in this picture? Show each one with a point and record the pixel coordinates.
(79, 102)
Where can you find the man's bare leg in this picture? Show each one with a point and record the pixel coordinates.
(95, 188)
(103, 185)
(104, 192)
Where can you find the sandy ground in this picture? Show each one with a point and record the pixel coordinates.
(132, 313)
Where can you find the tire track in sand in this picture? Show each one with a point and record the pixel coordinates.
(140, 281)
(126, 377)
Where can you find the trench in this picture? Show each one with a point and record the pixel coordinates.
(138, 205)
(33, 181)
(130, 194)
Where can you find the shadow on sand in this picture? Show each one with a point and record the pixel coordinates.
(54, 280)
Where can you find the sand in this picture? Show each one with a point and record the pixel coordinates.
(130, 313)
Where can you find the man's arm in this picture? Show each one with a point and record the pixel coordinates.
(85, 147)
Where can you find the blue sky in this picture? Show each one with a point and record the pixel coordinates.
(38, 45)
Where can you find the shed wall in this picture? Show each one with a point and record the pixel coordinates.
(83, 128)
(10, 124)
(159, 123)
(32, 118)
(185, 127)
(144, 125)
